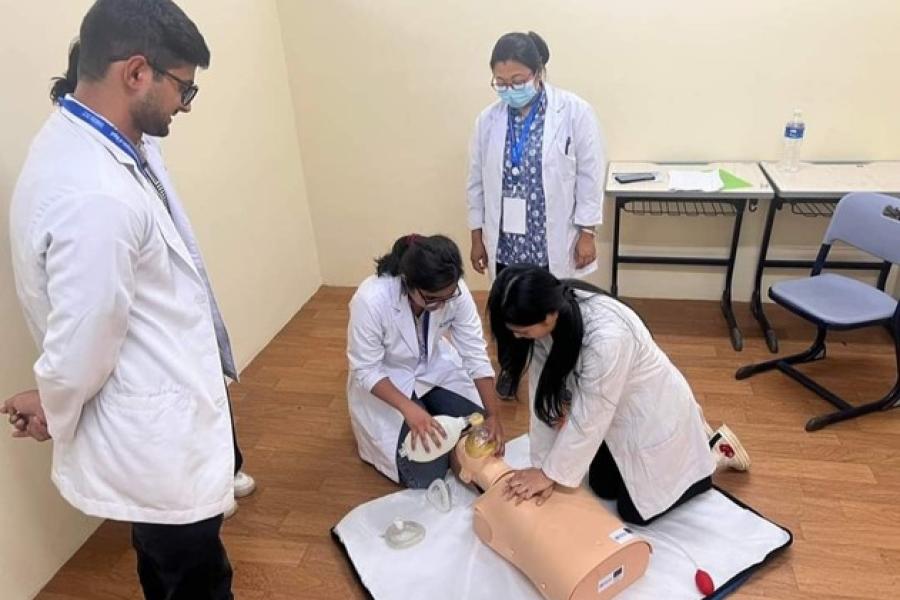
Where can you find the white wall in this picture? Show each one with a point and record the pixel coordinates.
(237, 165)
(386, 93)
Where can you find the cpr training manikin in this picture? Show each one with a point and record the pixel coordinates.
(570, 547)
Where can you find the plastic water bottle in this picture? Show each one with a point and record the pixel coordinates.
(793, 139)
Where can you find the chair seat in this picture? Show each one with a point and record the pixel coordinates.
(834, 300)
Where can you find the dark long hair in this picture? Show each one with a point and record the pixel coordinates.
(66, 84)
(524, 295)
(529, 49)
(429, 263)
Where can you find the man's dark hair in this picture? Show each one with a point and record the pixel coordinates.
(159, 30)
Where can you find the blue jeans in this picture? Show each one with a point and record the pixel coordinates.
(438, 401)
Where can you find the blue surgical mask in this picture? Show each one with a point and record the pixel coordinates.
(519, 98)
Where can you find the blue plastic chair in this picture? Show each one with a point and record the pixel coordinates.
(868, 222)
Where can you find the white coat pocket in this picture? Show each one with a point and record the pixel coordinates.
(145, 433)
(565, 156)
(665, 462)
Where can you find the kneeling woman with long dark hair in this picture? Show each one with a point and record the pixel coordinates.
(416, 349)
(606, 401)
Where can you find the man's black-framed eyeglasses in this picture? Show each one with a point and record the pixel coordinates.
(189, 89)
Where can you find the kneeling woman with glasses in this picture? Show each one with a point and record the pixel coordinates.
(416, 349)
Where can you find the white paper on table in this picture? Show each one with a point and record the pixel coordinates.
(695, 181)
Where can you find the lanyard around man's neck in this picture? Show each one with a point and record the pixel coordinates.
(111, 132)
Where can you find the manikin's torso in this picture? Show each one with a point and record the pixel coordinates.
(570, 547)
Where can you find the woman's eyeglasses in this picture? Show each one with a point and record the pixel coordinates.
(502, 86)
(429, 301)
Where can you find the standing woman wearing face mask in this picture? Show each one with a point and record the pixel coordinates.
(536, 169)
(416, 349)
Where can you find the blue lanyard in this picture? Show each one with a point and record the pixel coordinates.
(109, 131)
(517, 145)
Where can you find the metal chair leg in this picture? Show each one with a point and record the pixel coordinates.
(813, 353)
(846, 411)
(891, 400)
(813, 386)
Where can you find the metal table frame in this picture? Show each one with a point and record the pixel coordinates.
(695, 206)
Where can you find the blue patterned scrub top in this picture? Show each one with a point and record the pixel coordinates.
(530, 248)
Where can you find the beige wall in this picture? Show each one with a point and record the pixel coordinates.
(237, 165)
(386, 93)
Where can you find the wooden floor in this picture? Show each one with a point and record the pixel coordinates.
(838, 489)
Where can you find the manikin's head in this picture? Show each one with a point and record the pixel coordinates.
(483, 472)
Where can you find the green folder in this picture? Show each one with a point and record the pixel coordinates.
(730, 181)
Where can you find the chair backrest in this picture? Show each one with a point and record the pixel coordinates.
(869, 222)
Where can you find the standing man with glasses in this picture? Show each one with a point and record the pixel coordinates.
(132, 344)
(536, 167)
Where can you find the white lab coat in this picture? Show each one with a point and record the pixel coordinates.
(382, 342)
(573, 181)
(116, 297)
(625, 392)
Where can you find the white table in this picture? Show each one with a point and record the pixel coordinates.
(654, 198)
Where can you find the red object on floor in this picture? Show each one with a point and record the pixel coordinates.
(704, 582)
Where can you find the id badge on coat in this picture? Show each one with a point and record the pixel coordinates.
(514, 215)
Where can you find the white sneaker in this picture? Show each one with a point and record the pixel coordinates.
(244, 485)
(728, 450)
(229, 512)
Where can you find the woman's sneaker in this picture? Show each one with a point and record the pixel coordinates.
(728, 450)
